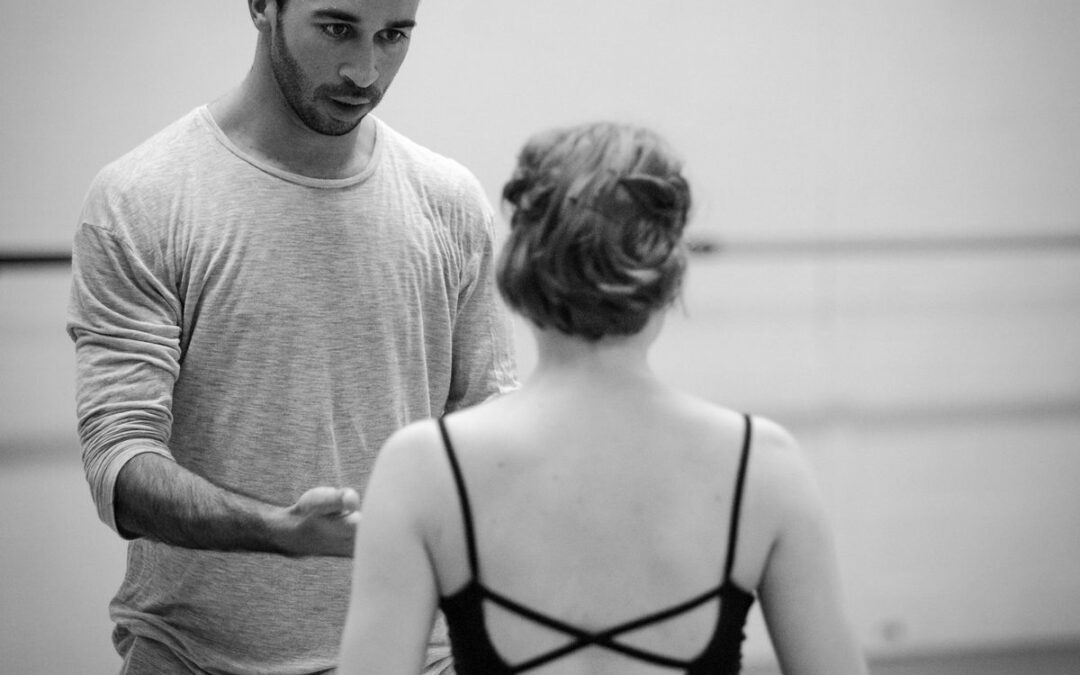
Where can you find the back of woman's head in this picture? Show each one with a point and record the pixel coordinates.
(597, 215)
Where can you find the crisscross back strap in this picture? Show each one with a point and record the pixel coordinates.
(605, 638)
(463, 497)
(736, 504)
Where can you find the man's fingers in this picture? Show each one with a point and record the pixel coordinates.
(350, 500)
(329, 501)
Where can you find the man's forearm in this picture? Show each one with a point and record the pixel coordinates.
(161, 500)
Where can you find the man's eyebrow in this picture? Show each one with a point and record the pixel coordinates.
(348, 17)
(338, 14)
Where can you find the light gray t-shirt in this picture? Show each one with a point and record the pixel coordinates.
(269, 331)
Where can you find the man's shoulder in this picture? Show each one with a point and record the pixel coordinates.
(156, 159)
(434, 169)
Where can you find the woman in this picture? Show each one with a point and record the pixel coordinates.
(596, 520)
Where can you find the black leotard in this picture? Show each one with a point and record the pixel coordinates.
(474, 653)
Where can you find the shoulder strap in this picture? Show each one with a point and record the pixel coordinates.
(463, 496)
(733, 530)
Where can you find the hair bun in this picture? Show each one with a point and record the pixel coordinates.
(665, 197)
(595, 246)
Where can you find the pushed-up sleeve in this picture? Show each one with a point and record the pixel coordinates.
(124, 319)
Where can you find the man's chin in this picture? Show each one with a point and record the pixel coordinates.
(332, 126)
(340, 119)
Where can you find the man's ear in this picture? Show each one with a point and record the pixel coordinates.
(262, 13)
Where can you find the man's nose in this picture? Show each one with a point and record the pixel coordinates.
(361, 69)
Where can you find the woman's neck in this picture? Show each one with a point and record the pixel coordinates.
(584, 364)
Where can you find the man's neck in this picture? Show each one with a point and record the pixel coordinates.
(256, 117)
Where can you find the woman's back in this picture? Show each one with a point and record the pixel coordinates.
(595, 503)
(585, 523)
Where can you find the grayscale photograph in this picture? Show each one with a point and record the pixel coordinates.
(591, 337)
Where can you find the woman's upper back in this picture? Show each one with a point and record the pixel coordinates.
(593, 514)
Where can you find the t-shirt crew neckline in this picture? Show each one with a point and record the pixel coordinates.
(325, 183)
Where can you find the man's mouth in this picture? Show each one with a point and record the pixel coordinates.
(351, 101)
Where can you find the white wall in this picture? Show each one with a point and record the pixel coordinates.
(817, 119)
(937, 387)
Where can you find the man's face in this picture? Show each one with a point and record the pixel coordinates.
(334, 59)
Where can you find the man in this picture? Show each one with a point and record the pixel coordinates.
(262, 293)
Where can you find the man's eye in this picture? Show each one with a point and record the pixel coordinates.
(337, 30)
(394, 36)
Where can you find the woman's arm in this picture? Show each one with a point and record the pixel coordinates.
(394, 589)
(800, 589)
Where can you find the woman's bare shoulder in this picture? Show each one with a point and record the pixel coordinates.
(784, 483)
(410, 463)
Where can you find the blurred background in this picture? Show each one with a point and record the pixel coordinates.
(887, 261)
